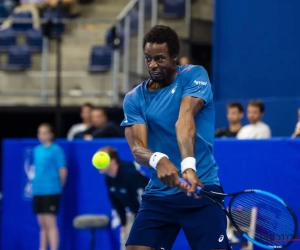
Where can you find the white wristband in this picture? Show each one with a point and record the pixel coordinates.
(155, 158)
(188, 162)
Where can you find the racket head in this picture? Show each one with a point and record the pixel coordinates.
(263, 218)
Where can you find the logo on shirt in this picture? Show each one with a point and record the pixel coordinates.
(221, 238)
(174, 89)
(123, 190)
(200, 83)
(125, 119)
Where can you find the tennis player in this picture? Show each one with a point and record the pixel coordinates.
(169, 122)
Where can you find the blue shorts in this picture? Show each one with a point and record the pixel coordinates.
(160, 219)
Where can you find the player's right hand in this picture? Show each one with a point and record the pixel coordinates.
(167, 172)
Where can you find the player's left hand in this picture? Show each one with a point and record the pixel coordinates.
(192, 178)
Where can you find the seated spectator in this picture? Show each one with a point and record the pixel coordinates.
(69, 7)
(297, 128)
(32, 6)
(101, 127)
(235, 113)
(184, 60)
(85, 115)
(256, 129)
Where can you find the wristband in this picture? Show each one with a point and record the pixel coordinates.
(188, 162)
(155, 158)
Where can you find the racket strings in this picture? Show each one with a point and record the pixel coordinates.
(263, 218)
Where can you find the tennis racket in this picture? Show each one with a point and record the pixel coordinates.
(261, 217)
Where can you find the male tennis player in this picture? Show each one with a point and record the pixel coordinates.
(169, 122)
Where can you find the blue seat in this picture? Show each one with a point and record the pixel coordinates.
(57, 28)
(174, 8)
(34, 39)
(3, 12)
(8, 38)
(100, 59)
(22, 23)
(19, 58)
(109, 38)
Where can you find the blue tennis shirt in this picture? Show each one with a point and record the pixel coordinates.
(47, 161)
(159, 111)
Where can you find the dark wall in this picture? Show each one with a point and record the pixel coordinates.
(18, 122)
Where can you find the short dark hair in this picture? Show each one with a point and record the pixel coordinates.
(163, 34)
(48, 125)
(237, 105)
(257, 103)
(102, 110)
(112, 152)
(88, 104)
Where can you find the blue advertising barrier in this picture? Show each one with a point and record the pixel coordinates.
(271, 165)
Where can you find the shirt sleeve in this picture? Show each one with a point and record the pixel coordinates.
(60, 158)
(197, 84)
(132, 111)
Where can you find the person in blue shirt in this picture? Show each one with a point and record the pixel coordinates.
(169, 125)
(47, 185)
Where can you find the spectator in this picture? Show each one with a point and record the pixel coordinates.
(297, 128)
(85, 115)
(32, 6)
(184, 60)
(49, 178)
(256, 129)
(69, 7)
(125, 186)
(235, 113)
(101, 127)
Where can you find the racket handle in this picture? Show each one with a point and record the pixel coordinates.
(198, 190)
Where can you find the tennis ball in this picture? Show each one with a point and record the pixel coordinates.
(100, 160)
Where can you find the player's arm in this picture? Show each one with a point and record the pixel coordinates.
(136, 136)
(185, 125)
(186, 136)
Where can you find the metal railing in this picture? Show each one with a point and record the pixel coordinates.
(125, 17)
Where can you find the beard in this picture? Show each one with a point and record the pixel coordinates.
(162, 77)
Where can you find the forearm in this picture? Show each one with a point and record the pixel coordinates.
(63, 175)
(186, 134)
(142, 155)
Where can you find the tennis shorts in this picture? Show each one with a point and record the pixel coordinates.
(46, 204)
(160, 219)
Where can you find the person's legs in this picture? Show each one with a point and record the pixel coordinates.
(154, 226)
(204, 223)
(39, 210)
(50, 205)
(52, 231)
(43, 233)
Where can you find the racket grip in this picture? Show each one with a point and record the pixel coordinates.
(198, 190)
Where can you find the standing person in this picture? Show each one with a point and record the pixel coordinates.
(85, 115)
(125, 185)
(169, 126)
(235, 113)
(49, 179)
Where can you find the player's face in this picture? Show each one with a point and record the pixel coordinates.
(85, 113)
(160, 64)
(44, 134)
(253, 114)
(234, 115)
(98, 118)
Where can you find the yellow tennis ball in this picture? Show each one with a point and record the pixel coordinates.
(101, 160)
